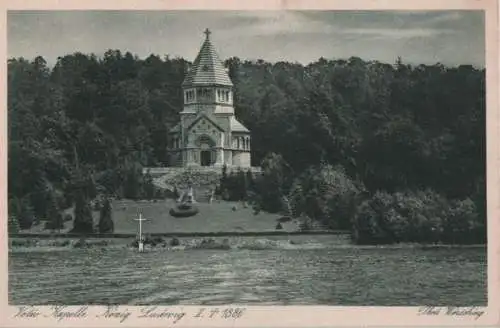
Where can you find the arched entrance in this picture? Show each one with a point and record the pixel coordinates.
(205, 158)
(207, 151)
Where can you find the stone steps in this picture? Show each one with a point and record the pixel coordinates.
(202, 179)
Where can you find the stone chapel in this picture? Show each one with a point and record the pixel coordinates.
(208, 133)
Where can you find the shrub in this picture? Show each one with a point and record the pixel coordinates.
(175, 193)
(132, 185)
(296, 198)
(148, 186)
(422, 216)
(367, 226)
(462, 224)
(273, 183)
(159, 194)
(305, 224)
(326, 194)
(81, 243)
(23, 211)
(96, 205)
(54, 215)
(106, 224)
(65, 243)
(13, 224)
(83, 220)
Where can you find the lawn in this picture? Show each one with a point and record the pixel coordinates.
(215, 217)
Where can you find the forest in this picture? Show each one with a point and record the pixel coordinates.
(391, 151)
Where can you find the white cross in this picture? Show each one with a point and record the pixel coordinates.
(140, 219)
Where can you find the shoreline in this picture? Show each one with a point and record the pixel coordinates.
(217, 243)
(180, 234)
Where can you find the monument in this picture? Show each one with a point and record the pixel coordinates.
(208, 133)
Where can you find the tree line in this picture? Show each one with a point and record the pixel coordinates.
(335, 138)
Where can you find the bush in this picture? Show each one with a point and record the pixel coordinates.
(65, 243)
(153, 241)
(326, 194)
(175, 193)
(51, 225)
(24, 242)
(422, 216)
(83, 220)
(106, 224)
(54, 215)
(463, 224)
(26, 215)
(148, 186)
(81, 243)
(296, 198)
(96, 205)
(159, 194)
(367, 225)
(273, 183)
(305, 224)
(21, 211)
(13, 225)
(132, 185)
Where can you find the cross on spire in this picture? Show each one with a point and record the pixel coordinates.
(207, 33)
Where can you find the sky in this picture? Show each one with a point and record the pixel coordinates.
(418, 37)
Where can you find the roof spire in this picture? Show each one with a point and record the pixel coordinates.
(207, 68)
(207, 33)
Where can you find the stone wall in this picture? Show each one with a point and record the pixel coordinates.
(241, 159)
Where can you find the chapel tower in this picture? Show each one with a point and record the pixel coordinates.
(208, 133)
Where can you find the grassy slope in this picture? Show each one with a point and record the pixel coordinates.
(214, 217)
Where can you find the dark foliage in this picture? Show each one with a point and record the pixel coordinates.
(148, 186)
(92, 123)
(83, 221)
(106, 224)
(13, 224)
(422, 216)
(54, 214)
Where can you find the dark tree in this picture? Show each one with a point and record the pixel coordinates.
(106, 224)
(148, 186)
(83, 221)
(54, 214)
(92, 123)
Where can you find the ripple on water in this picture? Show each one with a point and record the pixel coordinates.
(340, 276)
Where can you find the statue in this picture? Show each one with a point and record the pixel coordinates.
(190, 195)
(186, 207)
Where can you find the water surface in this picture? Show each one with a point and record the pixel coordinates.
(305, 273)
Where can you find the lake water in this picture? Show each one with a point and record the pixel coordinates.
(307, 272)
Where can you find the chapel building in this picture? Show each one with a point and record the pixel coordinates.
(208, 133)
